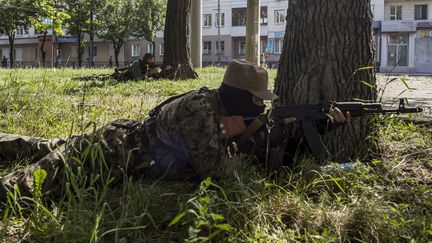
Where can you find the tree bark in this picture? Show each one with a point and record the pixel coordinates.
(11, 37)
(325, 43)
(117, 45)
(42, 49)
(80, 49)
(176, 39)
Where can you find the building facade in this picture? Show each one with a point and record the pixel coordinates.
(402, 36)
(63, 50)
(233, 30)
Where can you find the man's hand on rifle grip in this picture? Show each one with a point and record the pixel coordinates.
(339, 117)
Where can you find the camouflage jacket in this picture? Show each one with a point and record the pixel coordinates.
(137, 69)
(185, 136)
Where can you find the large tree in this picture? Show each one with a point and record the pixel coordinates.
(113, 23)
(15, 14)
(176, 39)
(325, 43)
(78, 23)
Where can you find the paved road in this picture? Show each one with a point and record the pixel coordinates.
(419, 94)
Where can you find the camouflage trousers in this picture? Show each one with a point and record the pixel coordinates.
(118, 148)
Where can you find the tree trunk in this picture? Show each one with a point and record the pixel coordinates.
(176, 39)
(11, 37)
(42, 49)
(80, 49)
(325, 43)
(117, 45)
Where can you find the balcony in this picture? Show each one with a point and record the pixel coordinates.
(399, 26)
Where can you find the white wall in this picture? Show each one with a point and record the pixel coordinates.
(378, 12)
(407, 8)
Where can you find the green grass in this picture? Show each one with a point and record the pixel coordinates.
(388, 199)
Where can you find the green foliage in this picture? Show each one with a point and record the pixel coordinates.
(388, 199)
(78, 23)
(114, 21)
(149, 17)
(15, 14)
(206, 224)
(51, 16)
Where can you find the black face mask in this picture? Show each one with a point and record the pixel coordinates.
(239, 102)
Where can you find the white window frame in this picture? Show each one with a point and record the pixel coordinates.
(279, 44)
(279, 16)
(207, 47)
(395, 15)
(222, 20)
(161, 49)
(222, 51)
(398, 46)
(135, 50)
(150, 48)
(207, 22)
(240, 48)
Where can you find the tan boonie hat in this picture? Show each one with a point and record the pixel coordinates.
(243, 75)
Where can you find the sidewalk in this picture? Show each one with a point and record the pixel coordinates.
(418, 94)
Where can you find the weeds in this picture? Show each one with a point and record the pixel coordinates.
(388, 199)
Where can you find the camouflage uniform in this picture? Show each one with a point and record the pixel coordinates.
(138, 69)
(182, 140)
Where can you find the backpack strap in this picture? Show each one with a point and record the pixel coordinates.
(155, 111)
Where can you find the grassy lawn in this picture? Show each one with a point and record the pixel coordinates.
(388, 199)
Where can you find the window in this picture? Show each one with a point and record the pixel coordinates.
(206, 48)
(150, 48)
(280, 16)
(21, 31)
(263, 16)
(135, 50)
(161, 49)
(222, 47)
(396, 12)
(270, 45)
(242, 47)
(18, 54)
(278, 43)
(239, 17)
(94, 51)
(420, 12)
(74, 51)
(263, 46)
(207, 18)
(397, 46)
(222, 20)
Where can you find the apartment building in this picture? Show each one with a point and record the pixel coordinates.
(403, 35)
(233, 30)
(62, 50)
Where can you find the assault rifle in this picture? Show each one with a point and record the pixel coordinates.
(310, 115)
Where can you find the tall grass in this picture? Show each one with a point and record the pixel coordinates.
(388, 199)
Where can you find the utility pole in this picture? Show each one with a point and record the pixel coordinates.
(218, 48)
(253, 32)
